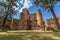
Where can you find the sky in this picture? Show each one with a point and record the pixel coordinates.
(29, 4)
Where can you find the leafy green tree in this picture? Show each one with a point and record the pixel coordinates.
(8, 10)
(49, 4)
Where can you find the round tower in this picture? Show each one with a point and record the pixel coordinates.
(40, 21)
(24, 18)
(24, 14)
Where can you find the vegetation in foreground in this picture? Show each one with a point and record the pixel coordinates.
(29, 35)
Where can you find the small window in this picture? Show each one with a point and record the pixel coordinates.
(34, 17)
(35, 20)
(38, 26)
(22, 22)
(34, 25)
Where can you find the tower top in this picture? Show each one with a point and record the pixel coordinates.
(25, 10)
(38, 10)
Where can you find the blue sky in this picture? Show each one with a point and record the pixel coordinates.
(32, 9)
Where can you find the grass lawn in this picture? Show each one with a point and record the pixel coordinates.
(29, 35)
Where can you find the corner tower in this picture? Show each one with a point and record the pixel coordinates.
(23, 21)
(40, 21)
(24, 14)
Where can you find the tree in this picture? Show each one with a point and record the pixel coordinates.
(49, 4)
(9, 10)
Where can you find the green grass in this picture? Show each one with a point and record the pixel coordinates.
(29, 35)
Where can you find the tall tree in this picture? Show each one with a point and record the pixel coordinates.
(49, 4)
(9, 10)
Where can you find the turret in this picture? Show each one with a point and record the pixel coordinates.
(24, 17)
(25, 11)
(24, 14)
(39, 18)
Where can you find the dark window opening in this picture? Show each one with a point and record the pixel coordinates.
(29, 28)
(34, 25)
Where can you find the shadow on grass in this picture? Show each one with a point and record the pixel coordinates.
(20, 37)
(26, 36)
(37, 37)
(46, 38)
(11, 37)
(57, 34)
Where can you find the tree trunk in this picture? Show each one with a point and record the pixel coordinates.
(55, 18)
(4, 21)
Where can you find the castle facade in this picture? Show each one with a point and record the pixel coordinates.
(30, 21)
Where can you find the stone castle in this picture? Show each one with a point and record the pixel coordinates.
(29, 21)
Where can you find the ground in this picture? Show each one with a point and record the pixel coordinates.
(29, 35)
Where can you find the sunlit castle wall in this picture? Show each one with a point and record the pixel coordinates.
(40, 21)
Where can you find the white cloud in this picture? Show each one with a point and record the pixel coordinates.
(16, 8)
(17, 4)
(26, 4)
(22, 1)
